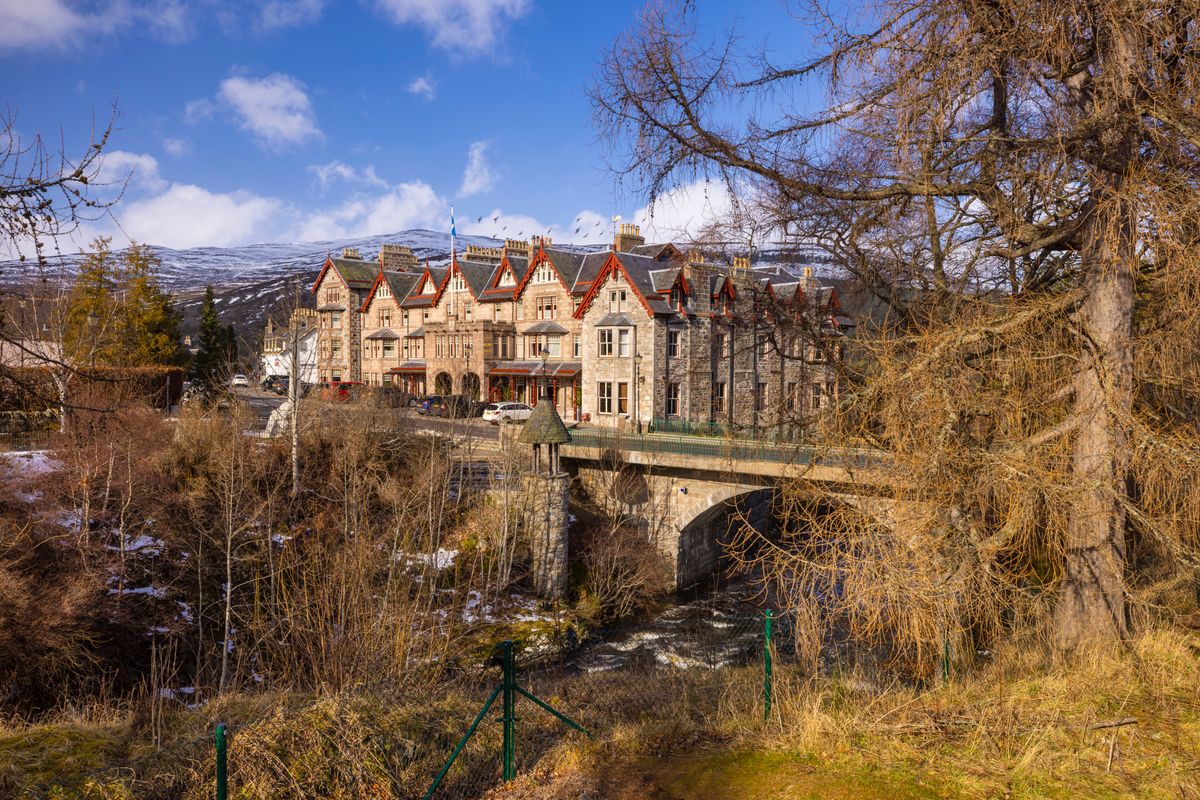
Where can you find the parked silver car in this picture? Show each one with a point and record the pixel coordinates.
(496, 413)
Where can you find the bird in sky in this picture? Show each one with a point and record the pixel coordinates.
(495, 218)
(479, 220)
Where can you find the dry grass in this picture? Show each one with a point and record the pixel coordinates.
(1019, 727)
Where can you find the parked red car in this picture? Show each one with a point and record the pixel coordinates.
(340, 391)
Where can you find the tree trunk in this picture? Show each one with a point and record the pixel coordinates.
(1091, 605)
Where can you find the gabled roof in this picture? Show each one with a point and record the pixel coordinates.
(355, 273)
(659, 252)
(435, 276)
(477, 275)
(566, 267)
(383, 333)
(589, 268)
(636, 270)
(400, 284)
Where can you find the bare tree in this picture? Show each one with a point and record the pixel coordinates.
(1046, 149)
(43, 195)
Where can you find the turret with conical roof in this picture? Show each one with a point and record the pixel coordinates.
(545, 427)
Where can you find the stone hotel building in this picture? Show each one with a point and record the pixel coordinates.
(624, 337)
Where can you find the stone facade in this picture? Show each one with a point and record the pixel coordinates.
(635, 337)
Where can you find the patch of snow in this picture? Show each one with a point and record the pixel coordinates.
(31, 462)
(152, 591)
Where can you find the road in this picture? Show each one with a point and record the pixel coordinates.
(263, 403)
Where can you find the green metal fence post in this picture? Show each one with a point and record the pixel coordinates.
(222, 744)
(510, 720)
(945, 661)
(767, 666)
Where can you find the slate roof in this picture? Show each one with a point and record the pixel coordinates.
(410, 366)
(639, 268)
(331, 307)
(357, 274)
(589, 268)
(545, 327)
(544, 426)
(654, 251)
(664, 279)
(401, 283)
(566, 263)
(477, 274)
(615, 320)
(383, 333)
(417, 334)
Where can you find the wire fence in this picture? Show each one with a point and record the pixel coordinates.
(692, 664)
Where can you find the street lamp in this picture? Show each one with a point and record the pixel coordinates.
(541, 389)
(467, 358)
(637, 367)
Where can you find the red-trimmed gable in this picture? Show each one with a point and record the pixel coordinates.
(611, 264)
(539, 258)
(328, 265)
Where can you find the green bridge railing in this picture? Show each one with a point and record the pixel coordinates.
(734, 449)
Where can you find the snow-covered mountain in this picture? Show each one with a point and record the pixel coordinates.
(254, 281)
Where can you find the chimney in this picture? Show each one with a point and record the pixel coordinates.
(699, 273)
(398, 258)
(741, 264)
(350, 252)
(628, 237)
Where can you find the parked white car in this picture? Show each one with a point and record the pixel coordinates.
(239, 380)
(496, 413)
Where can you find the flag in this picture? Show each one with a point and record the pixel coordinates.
(453, 233)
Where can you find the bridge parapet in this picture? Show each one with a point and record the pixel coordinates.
(739, 456)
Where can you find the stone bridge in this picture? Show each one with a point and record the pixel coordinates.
(685, 490)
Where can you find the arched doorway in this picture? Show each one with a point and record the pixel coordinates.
(442, 384)
(470, 386)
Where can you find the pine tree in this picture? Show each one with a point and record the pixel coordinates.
(149, 320)
(90, 326)
(213, 348)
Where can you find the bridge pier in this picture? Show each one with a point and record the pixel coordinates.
(547, 522)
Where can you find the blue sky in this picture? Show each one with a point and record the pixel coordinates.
(262, 120)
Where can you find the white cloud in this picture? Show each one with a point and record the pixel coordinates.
(468, 27)
(478, 177)
(424, 86)
(290, 13)
(275, 109)
(120, 168)
(190, 216)
(57, 24)
(408, 205)
(680, 213)
(38, 24)
(198, 110)
(339, 170)
(176, 147)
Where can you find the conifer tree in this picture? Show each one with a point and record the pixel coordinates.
(149, 320)
(213, 348)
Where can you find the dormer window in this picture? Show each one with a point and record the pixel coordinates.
(507, 279)
(384, 290)
(457, 283)
(544, 273)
